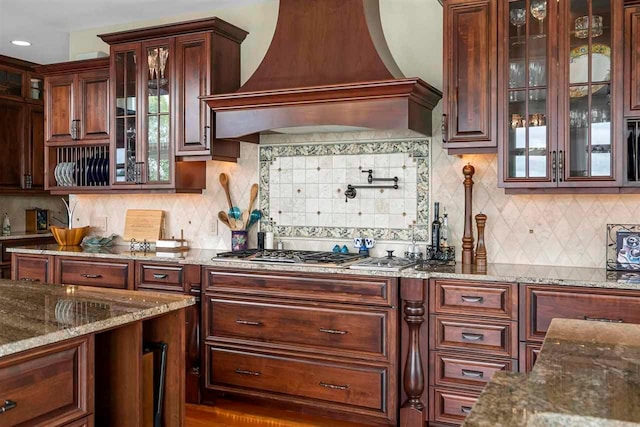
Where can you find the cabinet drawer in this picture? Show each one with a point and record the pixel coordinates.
(49, 387)
(544, 303)
(349, 289)
(107, 274)
(465, 371)
(450, 406)
(528, 355)
(489, 337)
(333, 329)
(32, 268)
(474, 298)
(159, 277)
(360, 386)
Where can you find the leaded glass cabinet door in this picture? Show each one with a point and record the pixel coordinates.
(528, 121)
(127, 170)
(589, 44)
(157, 86)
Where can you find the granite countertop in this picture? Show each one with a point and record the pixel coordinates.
(33, 315)
(16, 235)
(587, 375)
(515, 273)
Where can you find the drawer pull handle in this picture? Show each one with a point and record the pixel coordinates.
(467, 298)
(29, 279)
(92, 276)
(333, 331)
(472, 337)
(465, 410)
(160, 276)
(603, 319)
(248, 322)
(333, 386)
(8, 405)
(472, 374)
(245, 372)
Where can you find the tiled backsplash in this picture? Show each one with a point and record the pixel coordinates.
(529, 229)
(303, 189)
(15, 207)
(194, 213)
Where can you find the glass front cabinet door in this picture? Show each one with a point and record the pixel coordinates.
(561, 115)
(143, 88)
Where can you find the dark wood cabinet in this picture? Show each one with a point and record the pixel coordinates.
(470, 75)
(473, 333)
(34, 155)
(327, 343)
(60, 108)
(32, 268)
(632, 60)
(93, 122)
(560, 96)
(528, 355)
(12, 131)
(77, 102)
(541, 304)
(77, 126)
(157, 75)
(51, 386)
(104, 273)
(207, 63)
(184, 279)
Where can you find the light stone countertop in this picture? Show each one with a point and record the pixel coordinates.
(16, 235)
(515, 273)
(587, 375)
(34, 315)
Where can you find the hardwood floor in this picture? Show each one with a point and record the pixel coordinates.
(235, 414)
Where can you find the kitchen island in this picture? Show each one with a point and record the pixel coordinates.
(70, 355)
(586, 375)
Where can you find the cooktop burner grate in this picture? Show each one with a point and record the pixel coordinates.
(292, 256)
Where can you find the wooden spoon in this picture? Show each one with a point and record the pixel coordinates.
(222, 216)
(245, 219)
(224, 182)
(254, 194)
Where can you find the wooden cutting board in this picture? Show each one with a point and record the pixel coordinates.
(143, 224)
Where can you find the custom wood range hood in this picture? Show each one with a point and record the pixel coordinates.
(328, 67)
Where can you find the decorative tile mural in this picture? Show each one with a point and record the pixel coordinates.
(303, 189)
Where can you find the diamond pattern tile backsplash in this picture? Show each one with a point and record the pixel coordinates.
(528, 229)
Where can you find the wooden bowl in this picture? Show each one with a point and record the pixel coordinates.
(69, 236)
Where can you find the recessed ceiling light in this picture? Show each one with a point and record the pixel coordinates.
(20, 43)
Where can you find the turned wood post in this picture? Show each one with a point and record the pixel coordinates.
(413, 298)
(481, 250)
(467, 238)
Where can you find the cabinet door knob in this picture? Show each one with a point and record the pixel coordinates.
(465, 410)
(553, 166)
(91, 276)
(29, 279)
(160, 276)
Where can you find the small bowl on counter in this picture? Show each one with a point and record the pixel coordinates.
(69, 236)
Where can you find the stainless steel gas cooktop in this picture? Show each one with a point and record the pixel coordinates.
(292, 256)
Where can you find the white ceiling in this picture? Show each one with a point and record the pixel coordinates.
(47, 23)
